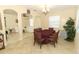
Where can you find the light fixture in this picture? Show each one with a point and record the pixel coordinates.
(45, 10)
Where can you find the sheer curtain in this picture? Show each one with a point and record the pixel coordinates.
(31, 24)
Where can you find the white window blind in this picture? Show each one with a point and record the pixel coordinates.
(54, 21)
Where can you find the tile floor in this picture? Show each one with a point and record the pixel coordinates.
(25, 46)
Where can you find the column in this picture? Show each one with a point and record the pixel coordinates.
(3, 27)
(20, 26)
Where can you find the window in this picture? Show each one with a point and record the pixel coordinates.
(54, 21)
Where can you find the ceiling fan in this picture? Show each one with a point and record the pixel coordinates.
(26, 14)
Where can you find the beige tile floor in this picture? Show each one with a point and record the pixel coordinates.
(13, 37)
(26, 46)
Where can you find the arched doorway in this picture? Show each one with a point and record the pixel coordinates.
(27, 25)
(11, 25)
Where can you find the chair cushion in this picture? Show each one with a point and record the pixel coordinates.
(46, 41)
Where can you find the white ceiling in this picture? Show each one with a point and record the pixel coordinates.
(38, 8)
(52, 7)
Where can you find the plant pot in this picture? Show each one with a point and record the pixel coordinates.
(70, 40)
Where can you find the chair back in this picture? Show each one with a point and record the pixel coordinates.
(55, 35)
(58, 33)
(37, 29)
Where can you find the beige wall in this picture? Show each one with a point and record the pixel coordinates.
(63, 13)
(37, 21)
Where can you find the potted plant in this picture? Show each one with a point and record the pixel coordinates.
(70, 29)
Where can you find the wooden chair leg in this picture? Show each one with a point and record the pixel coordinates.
(40, 46)
(56, 41)
(54, 45)
(3, 47)
(34, 42)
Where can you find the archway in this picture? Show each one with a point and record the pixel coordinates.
(27, 24)
(11, 25)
